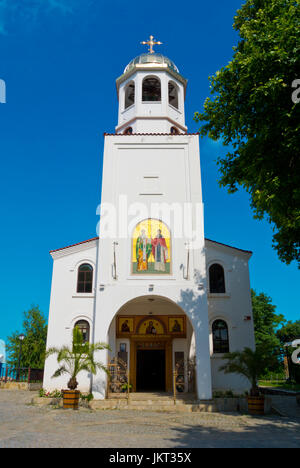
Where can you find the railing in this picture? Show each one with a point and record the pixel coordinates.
(184, 375)
(118, 377)
(14, 374)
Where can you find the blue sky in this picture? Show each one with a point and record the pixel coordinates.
(59, 60)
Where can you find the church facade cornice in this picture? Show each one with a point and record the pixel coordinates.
(119, 128)
(70, 249)
(90, 243)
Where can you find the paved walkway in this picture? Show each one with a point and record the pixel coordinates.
(287, 406)
(24, 425)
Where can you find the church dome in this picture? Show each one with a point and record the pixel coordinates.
(147, 59)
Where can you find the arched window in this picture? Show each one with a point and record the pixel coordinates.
(129, 94)
(173, 94)
(220, 337)
(216, 279)
(174, 131)
(128, 131)
(84, 327)
(151, 89)
(85, 279)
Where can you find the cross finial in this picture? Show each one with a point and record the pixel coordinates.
(151, 43)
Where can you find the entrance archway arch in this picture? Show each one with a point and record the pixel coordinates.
(151, 325)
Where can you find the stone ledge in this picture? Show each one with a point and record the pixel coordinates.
(42, 401)
(38, 401)
(31, 387)
(278, 391)
(218, 405)
(224, 405)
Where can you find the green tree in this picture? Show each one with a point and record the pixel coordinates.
(34, 344)
(289, 332)
(252, 111)
(77, 358)
(266, 322)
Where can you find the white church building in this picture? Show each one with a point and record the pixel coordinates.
(151, 285)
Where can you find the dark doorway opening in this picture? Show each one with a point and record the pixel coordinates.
(151, 370)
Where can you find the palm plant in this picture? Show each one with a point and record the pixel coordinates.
(79, 357)
(251, 364)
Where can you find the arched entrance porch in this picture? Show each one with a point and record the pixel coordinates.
(152, 335)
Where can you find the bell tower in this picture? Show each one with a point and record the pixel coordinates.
(151, 94)
(151, 270)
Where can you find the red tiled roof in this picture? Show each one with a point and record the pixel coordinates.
(74, 245)
(230, 246)
(96, 238)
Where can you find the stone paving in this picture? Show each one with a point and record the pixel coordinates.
(25, 425)
(286, 405)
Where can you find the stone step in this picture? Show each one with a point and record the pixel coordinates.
(153, 396)
(203, 406)
(169, 402)
(155, 407)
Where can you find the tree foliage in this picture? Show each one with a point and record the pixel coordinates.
(289, 332)
(253, 112)
(77, 358)
(266, 321)
(248, 363)
(286, 334)
(34, 344)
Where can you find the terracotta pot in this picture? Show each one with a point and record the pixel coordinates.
(71, 399)
(256, 405)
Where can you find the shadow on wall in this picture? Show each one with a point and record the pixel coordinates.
(194, 303)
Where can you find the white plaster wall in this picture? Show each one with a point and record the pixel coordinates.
(150, 117)
(233, 307)
(175, 160)
(67, 307)
(175, 163)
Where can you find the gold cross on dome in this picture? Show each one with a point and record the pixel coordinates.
(151, 43)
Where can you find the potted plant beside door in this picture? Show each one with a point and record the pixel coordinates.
(77, 358)
(250, 364)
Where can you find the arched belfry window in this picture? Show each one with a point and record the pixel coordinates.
(129, 95)
(216, 279)
(174, 131)
(85, 278)
(84, 327)
(128, 131)
(151, 89)
(173, 94)
(220, 337)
